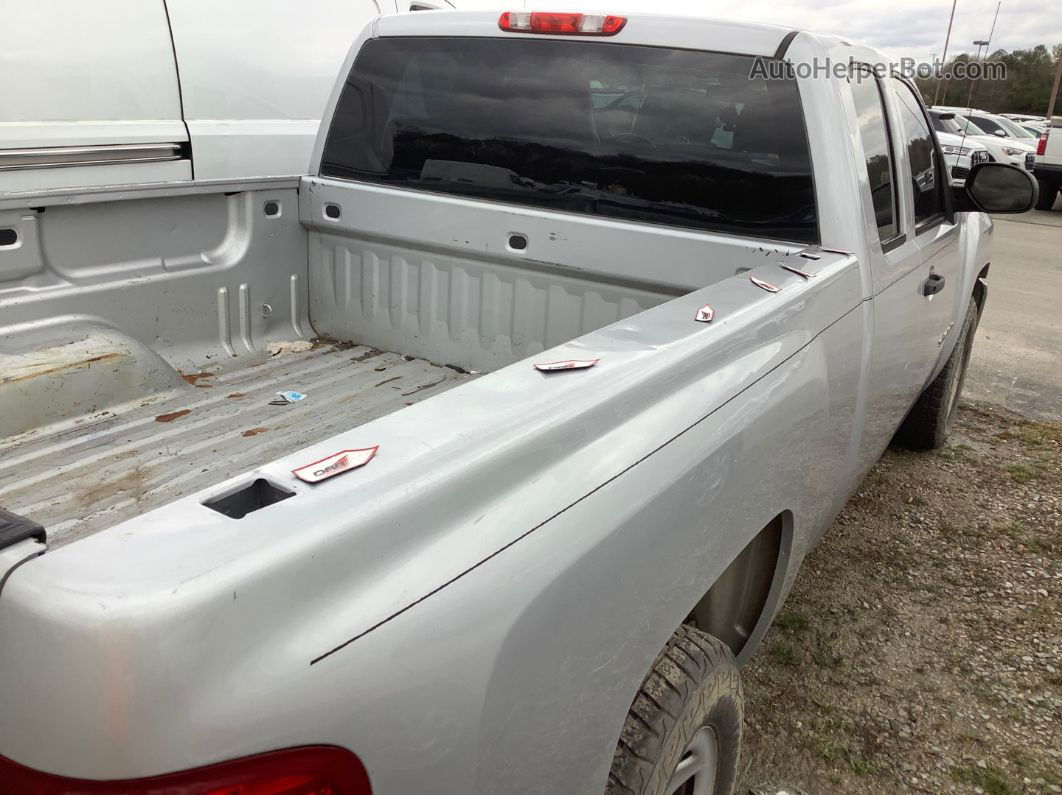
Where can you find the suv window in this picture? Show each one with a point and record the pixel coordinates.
(647, 134)
(874, 133)
(988, 125)
(945, 125)
(926, 182)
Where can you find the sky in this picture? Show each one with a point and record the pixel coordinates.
(903, 28)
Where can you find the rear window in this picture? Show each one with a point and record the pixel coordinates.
(644, 134)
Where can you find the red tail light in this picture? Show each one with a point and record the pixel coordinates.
(561, 23)
(1041, 146)
(311, 770)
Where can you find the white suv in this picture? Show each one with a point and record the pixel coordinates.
(1003, 147)
(960, 153)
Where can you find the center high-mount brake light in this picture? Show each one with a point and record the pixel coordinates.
(563, 24)
(309, 770)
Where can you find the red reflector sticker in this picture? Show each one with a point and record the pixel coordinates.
(764, 285)
(704, 314)
(335, 464)
(567, 364)
(798, 272)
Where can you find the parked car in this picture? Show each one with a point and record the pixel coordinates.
(1049, 164)
(118, 92)
(586, 384)
(960, 152)
(1026, 120)
(1016, 131)
(1003, 149)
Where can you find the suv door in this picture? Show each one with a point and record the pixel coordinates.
(913, 251)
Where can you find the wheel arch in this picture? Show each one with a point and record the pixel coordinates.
(740, 604)
(980, 289)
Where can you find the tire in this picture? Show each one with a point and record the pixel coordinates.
(1048, 193)
(689, 703)
(927, 424)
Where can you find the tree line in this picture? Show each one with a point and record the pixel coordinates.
(1026, 89)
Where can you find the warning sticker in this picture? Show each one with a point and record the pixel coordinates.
(335, 464)
(567, 364)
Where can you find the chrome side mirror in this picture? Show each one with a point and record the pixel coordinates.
(996, 188)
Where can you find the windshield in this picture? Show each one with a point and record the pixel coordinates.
(645, 134)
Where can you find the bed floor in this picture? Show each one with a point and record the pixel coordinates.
(81, 477)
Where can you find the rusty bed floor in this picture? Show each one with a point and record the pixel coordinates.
(81, 477)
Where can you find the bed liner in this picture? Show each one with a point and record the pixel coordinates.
(79, 477)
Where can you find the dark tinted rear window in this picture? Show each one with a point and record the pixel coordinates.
(638, 133)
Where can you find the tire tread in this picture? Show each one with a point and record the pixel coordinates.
(677, 677)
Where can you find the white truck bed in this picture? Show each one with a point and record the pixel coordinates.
(80, 477)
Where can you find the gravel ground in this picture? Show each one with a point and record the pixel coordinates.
(921, 647)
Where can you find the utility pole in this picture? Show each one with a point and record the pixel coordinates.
(944, 57)
(1054, 91)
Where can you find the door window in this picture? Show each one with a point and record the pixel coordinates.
(989, 126)
(925, 172)
(874, 133)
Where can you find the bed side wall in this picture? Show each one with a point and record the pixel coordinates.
(483, 285)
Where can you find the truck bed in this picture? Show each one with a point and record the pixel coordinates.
(79, 477)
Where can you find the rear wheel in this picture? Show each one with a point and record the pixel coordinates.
(1048, 193)
(932, 416)
(682, 735)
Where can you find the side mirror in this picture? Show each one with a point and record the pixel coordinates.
(996, 188)
(1000, 133)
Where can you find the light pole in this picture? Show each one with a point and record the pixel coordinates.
(980, 43)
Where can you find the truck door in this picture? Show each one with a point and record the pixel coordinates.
(89, 96)
(913, 253)
(940, 301)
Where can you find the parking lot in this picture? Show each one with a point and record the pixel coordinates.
(920, 649)
(1016, 357)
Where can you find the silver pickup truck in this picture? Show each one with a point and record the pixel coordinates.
(476, 461)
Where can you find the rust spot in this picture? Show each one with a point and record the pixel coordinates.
(194, 378)
(132, 481)
(254, 431)
(339, 345)
(173, 415)
(59, 368)
(372, 353)
(237, 396)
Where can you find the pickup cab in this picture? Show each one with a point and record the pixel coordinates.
(1048, 167)
(477, 460)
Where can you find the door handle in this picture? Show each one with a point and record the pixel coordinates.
(933, 284)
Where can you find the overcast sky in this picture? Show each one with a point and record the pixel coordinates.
(914, 28)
